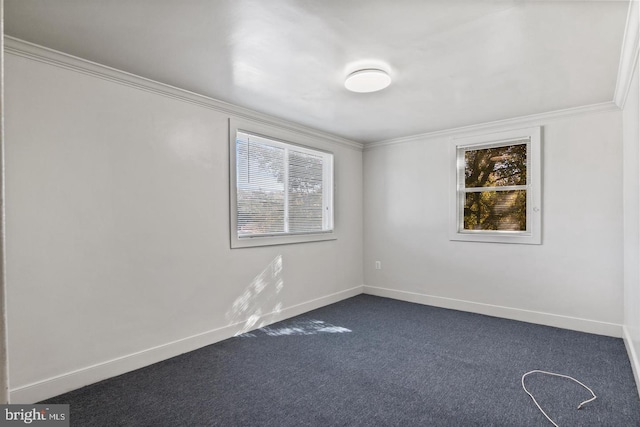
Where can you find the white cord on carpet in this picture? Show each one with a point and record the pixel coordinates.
(557, 375)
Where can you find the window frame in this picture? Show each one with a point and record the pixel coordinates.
(280, 137)
(533, 233)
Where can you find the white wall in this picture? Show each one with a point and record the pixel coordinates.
(572, 280)
(631, 197)
(4, 361)
(118, 245)
(118, 242)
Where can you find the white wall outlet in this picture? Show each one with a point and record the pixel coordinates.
(378, 265)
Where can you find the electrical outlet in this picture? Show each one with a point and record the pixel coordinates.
(378, 265)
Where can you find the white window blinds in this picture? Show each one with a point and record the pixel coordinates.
(281, 188)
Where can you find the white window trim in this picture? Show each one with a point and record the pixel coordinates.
(279, 136)
(533, 235)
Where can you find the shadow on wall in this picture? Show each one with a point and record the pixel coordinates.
(259, 304)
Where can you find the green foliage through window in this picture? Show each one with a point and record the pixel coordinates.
(495, 180)
(496, 210)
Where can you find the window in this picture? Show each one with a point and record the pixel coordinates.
(281, 192)
(496, 194)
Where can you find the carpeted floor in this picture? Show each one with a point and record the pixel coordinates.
(370, 361)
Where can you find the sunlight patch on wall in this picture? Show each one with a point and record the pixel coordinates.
(259, 303)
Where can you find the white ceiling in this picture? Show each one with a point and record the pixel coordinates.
(453, 63)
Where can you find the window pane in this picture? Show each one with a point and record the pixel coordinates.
(496, 210)
(495, 167)
(260, 172)
(305, 192)
(281, 188)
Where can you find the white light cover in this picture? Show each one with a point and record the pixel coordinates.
(369, 80)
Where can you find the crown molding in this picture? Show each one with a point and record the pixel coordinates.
(628, 62)
(523, 121)
(43, 54)
(628, 54)
(49, 56)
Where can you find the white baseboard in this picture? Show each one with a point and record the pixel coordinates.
(633, 356)
(548, 319)
(54, 386)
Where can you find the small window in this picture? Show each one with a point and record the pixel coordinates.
(281, 192)
(496, 195)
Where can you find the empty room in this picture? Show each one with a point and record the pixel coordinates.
(320, 213)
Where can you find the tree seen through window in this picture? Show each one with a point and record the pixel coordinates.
(495, 182)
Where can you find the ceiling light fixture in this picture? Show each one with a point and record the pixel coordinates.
(367, 80)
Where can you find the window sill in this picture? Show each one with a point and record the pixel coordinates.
(250, 242)
(497, 237)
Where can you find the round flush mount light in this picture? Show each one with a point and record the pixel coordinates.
(367, 80)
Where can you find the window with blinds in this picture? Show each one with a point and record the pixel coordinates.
(497, 192)
(281, 189)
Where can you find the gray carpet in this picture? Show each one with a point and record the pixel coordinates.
(370, 361)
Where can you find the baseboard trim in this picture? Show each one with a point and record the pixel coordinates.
(548, 319)
(633, 356)
(54, 386)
